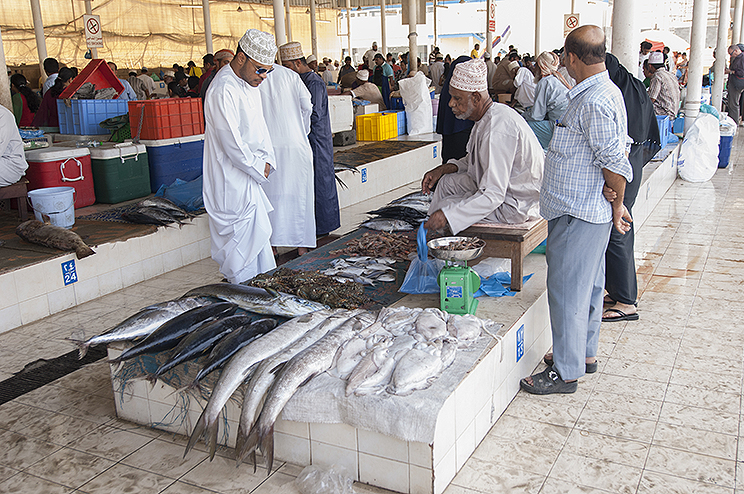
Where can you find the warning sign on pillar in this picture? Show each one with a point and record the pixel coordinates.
(93, 32)
(570, 22)
(492, 17)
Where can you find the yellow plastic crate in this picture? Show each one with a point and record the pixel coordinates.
(376, 126)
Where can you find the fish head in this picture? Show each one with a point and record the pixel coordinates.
(297, 306)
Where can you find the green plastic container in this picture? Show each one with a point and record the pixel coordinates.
(120, 172)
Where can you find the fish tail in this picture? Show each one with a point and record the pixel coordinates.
(82, 251)
(239, 441)
(82, 347)
(197, 433)
(267, 447)
(248, 445)
(211, 433)
(152, 379)
(253, 460)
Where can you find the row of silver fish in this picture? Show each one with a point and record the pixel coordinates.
(402, 214)
(362, 269)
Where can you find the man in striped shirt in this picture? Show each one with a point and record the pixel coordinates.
(588, 150)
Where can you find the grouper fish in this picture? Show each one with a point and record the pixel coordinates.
(142, 323)
(307, 364)
(170, 334)
(258, 300)
(237, 369)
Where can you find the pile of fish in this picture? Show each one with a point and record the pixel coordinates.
(156, 211)
(403, 214)
(394, 245)
(52, 236)
(313, 285)
(362, 269)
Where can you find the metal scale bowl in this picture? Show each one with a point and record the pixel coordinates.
(457, 282)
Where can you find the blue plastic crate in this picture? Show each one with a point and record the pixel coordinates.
(724, 151)
(665, 129)
(678, 127)
(396, 104)
(401, 120)
(84, 115)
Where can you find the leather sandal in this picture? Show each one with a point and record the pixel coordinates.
(548, 382)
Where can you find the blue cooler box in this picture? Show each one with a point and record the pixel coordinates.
(180, 157)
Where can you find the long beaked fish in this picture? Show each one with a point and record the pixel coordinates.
(169, 334)
(258, 300)
(237, 369)
(142, 323)
(163, 203)
(307, 364)
(265, 373)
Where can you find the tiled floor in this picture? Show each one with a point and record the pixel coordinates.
(662, 414)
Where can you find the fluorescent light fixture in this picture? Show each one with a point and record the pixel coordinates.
(191, 6)
(266, 18)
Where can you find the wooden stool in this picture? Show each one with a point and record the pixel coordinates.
(510, 241)
(16, 191)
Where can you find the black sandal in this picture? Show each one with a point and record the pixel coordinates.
(590, 368)
(548, 382)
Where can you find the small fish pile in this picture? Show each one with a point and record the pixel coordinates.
(157, 211)
(363, 269)
(465, 243)
(56, 237)
(403, 214)
(382, 244)
(313, 285)
(395, 351)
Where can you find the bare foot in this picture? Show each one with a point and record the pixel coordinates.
(302, 251)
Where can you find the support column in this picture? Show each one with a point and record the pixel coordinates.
(538, 11)
(434, 3)
(721, 53)
(738, 10)
(207, 26)
(313, 29)
(279, 33)
(625, 33)
(288, 21)
(39, 32)
(5, 98)
(348, 29)
(695, 65)
(412, 36)
(89, 11)
(489, 34)
(383, 29)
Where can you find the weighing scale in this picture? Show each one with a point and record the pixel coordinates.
(457, 282)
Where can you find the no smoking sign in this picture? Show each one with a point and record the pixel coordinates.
(93, 34)
(570, 22)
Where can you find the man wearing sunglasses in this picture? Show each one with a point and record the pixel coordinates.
(238, 157)
(327, 216)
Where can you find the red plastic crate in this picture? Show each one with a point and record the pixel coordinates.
(99, 74)
(166, 118)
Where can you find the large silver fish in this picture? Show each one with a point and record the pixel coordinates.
(266, 372)
(307, 364)
(143, 323)
(237, 369)
(258, 300)
(419, 368)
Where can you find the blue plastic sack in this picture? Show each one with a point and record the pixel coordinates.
(186, 195)
(497, 285)
(423, 272)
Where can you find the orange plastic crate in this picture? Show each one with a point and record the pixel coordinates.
(166, 118)
(376, 126)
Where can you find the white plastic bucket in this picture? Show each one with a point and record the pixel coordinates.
(58, 203)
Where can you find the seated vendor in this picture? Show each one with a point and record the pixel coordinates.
(366, 90)
(499, 179)
(12, 158)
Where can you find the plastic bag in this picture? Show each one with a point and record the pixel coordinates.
(417, 101)
(498, 285)
(186, 195)
(423, 272)
(727, 126)
(315, 480)
(698, 156)
(491, 265)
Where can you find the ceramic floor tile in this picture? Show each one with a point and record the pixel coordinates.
(109, 442)
(184, 488)
(482, 477)
(696, 441)
(69, 467)
(123, 478)
(221, 474)
(614, 424)
(700, 418)
(555, 486)
(639, 370)
(59, 429)
(24, 482)
(697, 397)
(599, 474)
(557, 414)
(516, 454)
(614, 449)
(163, 457)
(658, 483)
(691, 466)
(531, 432)
(724, 382)
(21, 451)
(624, 404)
(641, 388)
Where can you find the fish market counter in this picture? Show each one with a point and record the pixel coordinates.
(408, 444)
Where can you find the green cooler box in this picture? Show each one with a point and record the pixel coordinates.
(120, 172)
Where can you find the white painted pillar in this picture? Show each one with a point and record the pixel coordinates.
(207, 26)
(721, 53)
(412, 36)
(383, 29)
(313, 29)
(695, 65)
(348, 29)
(434, 3)
(5, 98)
(288, 21)
(538, 29)
(279, 33)
(625, 31)
(738, 10)
(489, 34)
(39, 32)
(89, 11)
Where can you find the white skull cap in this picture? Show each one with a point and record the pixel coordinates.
(258, 45)
(470, 76)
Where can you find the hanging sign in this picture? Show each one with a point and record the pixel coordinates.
(570, 22)
(93, 31)
(492, 17)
